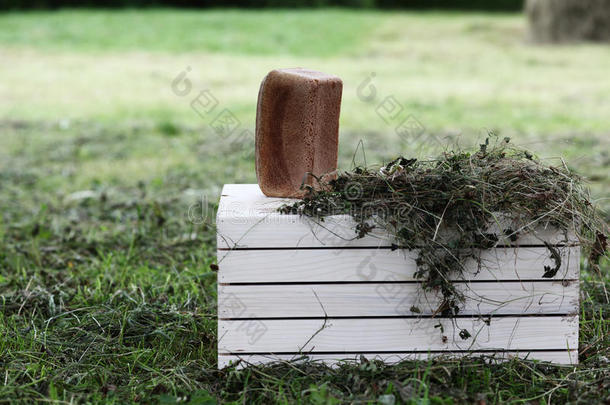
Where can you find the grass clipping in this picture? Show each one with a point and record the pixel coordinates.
(447, 209)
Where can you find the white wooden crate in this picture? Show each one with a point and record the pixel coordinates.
(290, 287)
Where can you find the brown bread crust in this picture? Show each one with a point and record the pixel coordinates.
(297, 130)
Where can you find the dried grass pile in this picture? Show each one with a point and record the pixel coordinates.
(446, 207)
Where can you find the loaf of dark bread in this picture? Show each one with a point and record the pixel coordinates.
(297, 130)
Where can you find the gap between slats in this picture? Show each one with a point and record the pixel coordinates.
(549, 280)
(388, 247)
(331, 353)
(484, 317)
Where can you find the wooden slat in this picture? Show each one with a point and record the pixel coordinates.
(248, 219)
(324, 265)
(396, 335)
(392, 299)
(557, 357)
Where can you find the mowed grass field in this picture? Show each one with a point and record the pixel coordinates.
(109, 179)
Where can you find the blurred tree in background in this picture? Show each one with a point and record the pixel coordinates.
(569, 20)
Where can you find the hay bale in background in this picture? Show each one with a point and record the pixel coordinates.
(568, 20)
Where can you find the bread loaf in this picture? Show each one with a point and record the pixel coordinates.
(297, 130)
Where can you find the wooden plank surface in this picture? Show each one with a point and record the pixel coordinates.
(557, 357)
(324, 265)
(275, 267)
(393, 299)
(248, 219)
(396, 335)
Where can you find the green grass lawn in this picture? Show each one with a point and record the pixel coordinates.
(106, 291)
